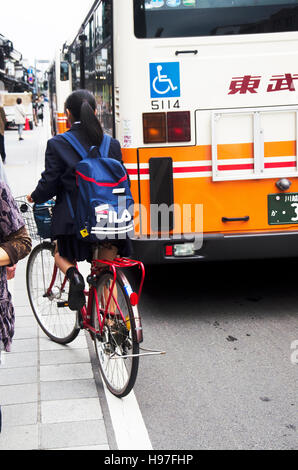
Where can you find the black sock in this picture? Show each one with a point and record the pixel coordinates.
(76, 296)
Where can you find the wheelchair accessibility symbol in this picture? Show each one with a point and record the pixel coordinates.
(165, 80)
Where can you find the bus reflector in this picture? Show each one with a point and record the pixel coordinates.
(154, 127)
(169, 250)
(179, 126)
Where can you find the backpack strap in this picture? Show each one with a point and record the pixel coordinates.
(74, 142)
(78, 147)
(105, 146)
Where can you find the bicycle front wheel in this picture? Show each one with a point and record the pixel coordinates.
(117, 348)
(47, 290)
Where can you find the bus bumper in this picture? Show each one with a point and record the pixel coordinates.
(221, 247)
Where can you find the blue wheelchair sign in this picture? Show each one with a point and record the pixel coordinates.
(165, 80)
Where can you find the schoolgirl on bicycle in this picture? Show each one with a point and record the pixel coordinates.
(59, 179)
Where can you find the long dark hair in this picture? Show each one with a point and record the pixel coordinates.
(82, 105)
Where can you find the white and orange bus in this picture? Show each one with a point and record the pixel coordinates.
(202, 96)
(60, 86)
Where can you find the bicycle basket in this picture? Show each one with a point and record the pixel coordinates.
(37, 217)
(43, 218)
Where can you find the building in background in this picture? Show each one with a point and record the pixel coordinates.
(15, 74)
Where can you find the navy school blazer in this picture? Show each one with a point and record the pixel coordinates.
(59, 178)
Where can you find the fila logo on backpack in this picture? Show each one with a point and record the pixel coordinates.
(103, 212)
(104, 201)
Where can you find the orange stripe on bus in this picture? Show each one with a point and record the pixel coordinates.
(280, 149)
(204, 152)
(271, 149)
(199, 152)
(235, 151)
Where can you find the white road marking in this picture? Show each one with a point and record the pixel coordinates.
(128, 424)
(129, 427)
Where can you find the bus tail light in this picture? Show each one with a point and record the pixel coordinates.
(169, 251)
(154, 127)
(179, 126)
(181, 249)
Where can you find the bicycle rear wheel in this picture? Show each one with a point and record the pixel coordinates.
(117, 346)
(57, 321)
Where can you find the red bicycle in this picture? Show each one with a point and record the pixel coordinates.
(111, 315)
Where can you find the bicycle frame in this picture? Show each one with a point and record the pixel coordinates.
(96, 267)
(48, 293)
(112, 271)
(133, 297)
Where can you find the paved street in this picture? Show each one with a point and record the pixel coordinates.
(227, 380)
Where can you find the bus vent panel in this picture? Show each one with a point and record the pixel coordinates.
(161, 192)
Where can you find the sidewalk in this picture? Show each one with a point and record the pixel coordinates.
(48, 392)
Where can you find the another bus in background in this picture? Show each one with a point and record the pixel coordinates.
(60, 86)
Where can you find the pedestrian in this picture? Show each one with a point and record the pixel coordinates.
(59, 178)
(15, 244)
(35, 107)
(40, 107)
(20, 117)
(2, 130)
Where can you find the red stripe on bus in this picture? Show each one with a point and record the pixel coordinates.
(240, 166)
(192, 169)
(188, 169)
(135, 172)
(250, 166)
(280, 164)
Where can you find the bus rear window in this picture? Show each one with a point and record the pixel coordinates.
(185, 18)
(64, 71)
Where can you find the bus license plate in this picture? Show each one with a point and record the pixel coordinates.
(283, 208)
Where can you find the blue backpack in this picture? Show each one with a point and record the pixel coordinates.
(104, 202)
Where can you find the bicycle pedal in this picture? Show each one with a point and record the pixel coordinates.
(62, 304)
(92, 280)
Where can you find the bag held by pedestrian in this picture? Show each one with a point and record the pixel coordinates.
(104, 209)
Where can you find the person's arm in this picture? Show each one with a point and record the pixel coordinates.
(15, 247)
(48, 185)
(23, 112)
(15, 241)
(115, 150)
(3, 115)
